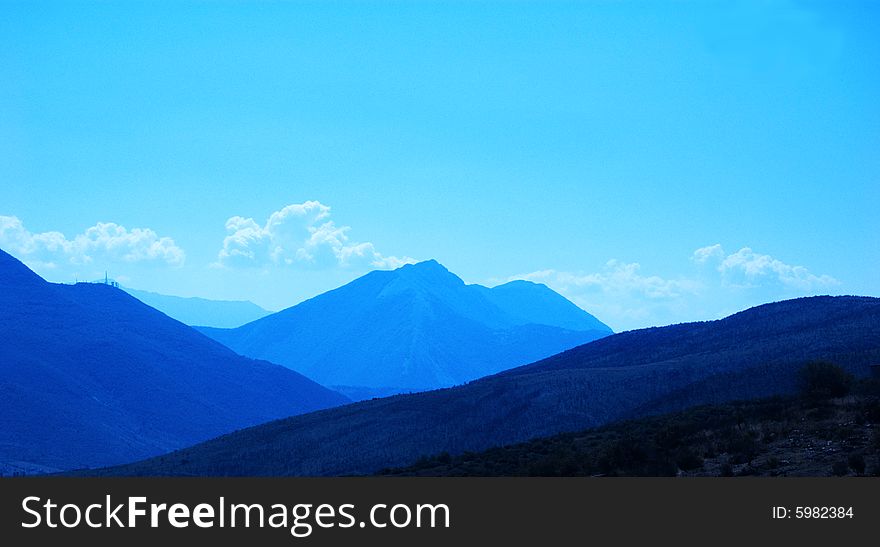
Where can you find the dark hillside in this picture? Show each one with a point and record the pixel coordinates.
(779, 436)
(664, 370)
(90, 376)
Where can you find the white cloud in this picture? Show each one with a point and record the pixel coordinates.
(616, 278)
(300, 234)
(708, 253)
(99, 245)
(748, 269)
(716, 285)
(620, 294)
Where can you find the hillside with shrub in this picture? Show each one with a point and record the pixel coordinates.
(831, 428)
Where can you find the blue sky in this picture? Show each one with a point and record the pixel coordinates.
(654, 162)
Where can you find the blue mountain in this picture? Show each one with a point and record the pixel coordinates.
(91, 376)
(414, 328)
(201, 311)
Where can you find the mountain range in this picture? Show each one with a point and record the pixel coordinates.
(754, 353)
(414, 328)
(91, 376)
(201, 311)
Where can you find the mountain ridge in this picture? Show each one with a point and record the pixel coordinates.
(203, 312)
(605, 351)
(665, 371)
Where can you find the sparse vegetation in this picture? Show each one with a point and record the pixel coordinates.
(796, 435)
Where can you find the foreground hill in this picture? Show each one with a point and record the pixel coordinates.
(779, 436)
(201, 311)
(90, 376)
(418, 327)
(754, 353)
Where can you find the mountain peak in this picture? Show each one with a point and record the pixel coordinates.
(531, 302)
(428, 271)
(425, 265)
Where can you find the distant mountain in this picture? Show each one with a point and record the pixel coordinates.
(752, 354)
(414, 328)
(200, 311)
(535, 303)
(90, 376)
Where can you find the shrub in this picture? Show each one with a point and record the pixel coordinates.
(857, 463)
(662, 468)
(872, 412)
(688, 460)
(822, 379)
(742, 446)
(840, 468)
(726, 469)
